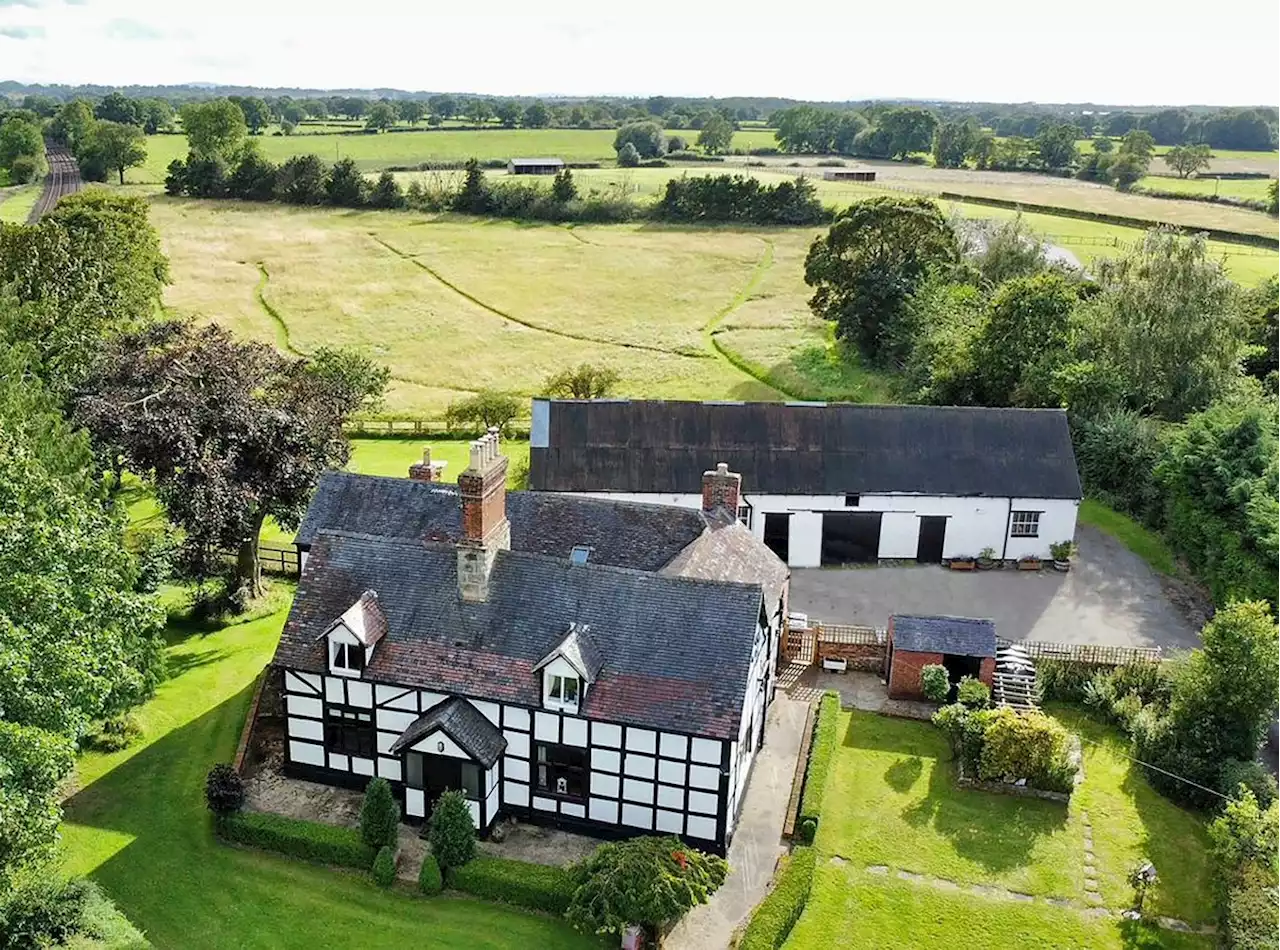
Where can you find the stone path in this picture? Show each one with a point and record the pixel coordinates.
(1091, 893)
(1092, 897)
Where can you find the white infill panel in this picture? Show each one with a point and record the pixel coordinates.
(671, 772)
(572, 810)
(437, 743)
(606, 734)
(635, 790)
(669, 797)
(575, 732)
(413, 802)
(513, 793)
(544, 804)
(339, 762)
(306, 753)
(546, 727)
(359, 694)
(474, 808)
(669, 821)
(606, 759)
(334, 690)
(642, 740)
(704, 776)
(704, 828)
(703, 802)
(302, 682)
(637, 816)
(516, 768)
(393, 720)
(304, 706)
(604, 810)
(306, 729)
(389, 768)
(602, 784)
(514, 717)
(673, 747)
(706, 750)
(361, 766)
(639, 766)
(517, 743)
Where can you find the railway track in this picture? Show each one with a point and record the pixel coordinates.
(63, 179)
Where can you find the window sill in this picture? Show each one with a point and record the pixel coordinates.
(572, 799)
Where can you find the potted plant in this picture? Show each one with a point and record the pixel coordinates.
(986, 559)
(961, 562)
(1062, 551)
(1028, 562)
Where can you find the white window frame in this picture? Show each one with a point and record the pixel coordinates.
(558, 688)
(341, 653)
(1024, 524)
(744, 513)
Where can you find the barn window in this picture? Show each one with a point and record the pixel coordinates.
(851, 501)
(348, 656)
(562, 770)
(1025, 524)
(349, 731)
(565, 689)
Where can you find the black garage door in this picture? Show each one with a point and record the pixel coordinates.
(850, 537)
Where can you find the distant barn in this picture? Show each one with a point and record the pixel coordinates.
(534, 166)
(848, 174)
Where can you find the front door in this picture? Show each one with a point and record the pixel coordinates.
(933, 534)
(434, 774)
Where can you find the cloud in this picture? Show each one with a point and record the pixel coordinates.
(123, 29)
(22, 32)
(18, 3)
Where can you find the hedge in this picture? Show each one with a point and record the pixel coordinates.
(535, 886)
(825, 738)
(772, 921)
(309, 840)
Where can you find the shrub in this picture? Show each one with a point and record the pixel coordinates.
(379, 815)
(973, 693)
(384, 867)
(24, 169)
(41, 911)
(647, 881)
(430, 881)
(772, 921)
(645, 138)
(742, 198)
(116, 733)
(1063, 680)
(309, 840)
(1026, 745)
(965, 730)
(451, 831)
(821, 752)
(1250, 912)
(628, 157)
(935, 683)
(1253, 775)
(223, 790)
(486, 409)
(534, 886)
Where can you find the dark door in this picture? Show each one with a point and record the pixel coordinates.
(850, 537)
(777, 534)
(933, 532)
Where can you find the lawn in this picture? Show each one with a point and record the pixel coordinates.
(16, 205)
(394, 456)
(891, 801)
(1253, 188)
(374, 152)
(137, 825)
(1139, 539)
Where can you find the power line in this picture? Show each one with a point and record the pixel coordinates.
(1172, 775)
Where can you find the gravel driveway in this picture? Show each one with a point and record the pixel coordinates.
(1110, 597)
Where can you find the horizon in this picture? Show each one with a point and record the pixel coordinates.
(1023, 56)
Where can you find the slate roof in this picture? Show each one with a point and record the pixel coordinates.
(728, 550)
(462, 723)
(581, 652)
(623, 534)
(959, 636)
(364, 619)
(802, 449)
(675, 651)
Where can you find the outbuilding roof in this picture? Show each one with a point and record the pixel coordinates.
(802, 449)
(536, 161)
(959, 636)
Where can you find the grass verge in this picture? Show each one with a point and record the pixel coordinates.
(1142, 541)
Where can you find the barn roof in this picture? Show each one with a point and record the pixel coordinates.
(622, 534)
(672, 652)
(959, 636)
(536, 161)
(802, 449)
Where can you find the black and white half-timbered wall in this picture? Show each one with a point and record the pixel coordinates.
(601, 665)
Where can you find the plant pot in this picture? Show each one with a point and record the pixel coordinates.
(1029, 564)
(958, 564)
(986, 563)
(1062, 566)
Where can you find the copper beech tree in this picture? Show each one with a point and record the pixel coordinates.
(230, 431)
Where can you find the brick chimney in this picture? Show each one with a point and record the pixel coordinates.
(427, 470)
(721, 489)
(485, 529)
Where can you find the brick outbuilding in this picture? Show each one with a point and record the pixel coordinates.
(964, 645)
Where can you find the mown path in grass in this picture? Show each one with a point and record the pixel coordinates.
(138, 826)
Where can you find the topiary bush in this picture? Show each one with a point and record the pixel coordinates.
(535, 886)
(821, 752)
(379, 815)
(384, 867)
(430, 880)
(973, 693)
(777, 914)
(935, 683)
(223, 790)
(451, 831)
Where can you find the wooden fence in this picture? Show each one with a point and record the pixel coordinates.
(850, 634)
(1094, 654)
(278, 559)
(431, 428)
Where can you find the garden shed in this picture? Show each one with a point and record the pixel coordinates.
(964, 645)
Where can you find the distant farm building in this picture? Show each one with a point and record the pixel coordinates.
(849, 174)
(534, 166)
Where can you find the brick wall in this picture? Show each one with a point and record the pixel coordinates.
(987, 672)
(869, 657)
(904, 677)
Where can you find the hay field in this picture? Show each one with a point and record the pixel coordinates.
(1253, 188)
(453, 305)
(375, 152)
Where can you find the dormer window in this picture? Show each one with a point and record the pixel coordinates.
(348, 656)
(564, 689)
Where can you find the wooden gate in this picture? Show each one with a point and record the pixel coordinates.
(800, 645)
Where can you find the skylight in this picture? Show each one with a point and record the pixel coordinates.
(579, 554)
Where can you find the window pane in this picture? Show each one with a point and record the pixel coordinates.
(471, 781)
(570, 690)
(413, 769)
(555, 687)
(542, 776)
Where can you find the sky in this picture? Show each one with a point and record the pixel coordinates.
(1140, 53)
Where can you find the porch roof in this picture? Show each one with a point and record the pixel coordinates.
(462, 723)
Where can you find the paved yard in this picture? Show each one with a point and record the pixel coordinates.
(1110, 597)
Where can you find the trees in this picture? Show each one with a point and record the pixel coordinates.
(628, 157)
(156, 115)
(508, 113)
(254, 177)
(257, 114)
(386, 193)
(1140, 143)
(481, 111)
(1055, 145)
(411, 110)
(908, 130)
(216, 127)
(345, 185)
(485, 410)
(36, 763)
(875, 254)
(379, 815)
(19, 139)
(445, 106)
(1127, 169)
(645, 881)
(117, 107)
(1022, 341)
(645, 137)
(716, 136)
(382, 116)
(536, 116)
(451, 831)
(229, 431)
(952, 143)
(72, 123)
(563, 188)
(585, 381)
(117, 146)
(1186, 160)
(474, 196)
(301, 180)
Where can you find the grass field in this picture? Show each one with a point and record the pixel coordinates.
(891, 801)
(137, 825)
(1141, 540)
(16, 204)
(374, 152)
(1254, 189)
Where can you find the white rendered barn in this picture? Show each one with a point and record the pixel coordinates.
(830, 484)
(602, 665)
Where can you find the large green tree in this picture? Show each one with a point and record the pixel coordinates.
(72, 123)
(214, 128)
(908, 129)
(1023, 339)
(382, 116)
(116, 146)
(117, 107)
(230, 431)
(716, 136)
(876, 253)
(646, 137)
(1055, 145)
(19, 139)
